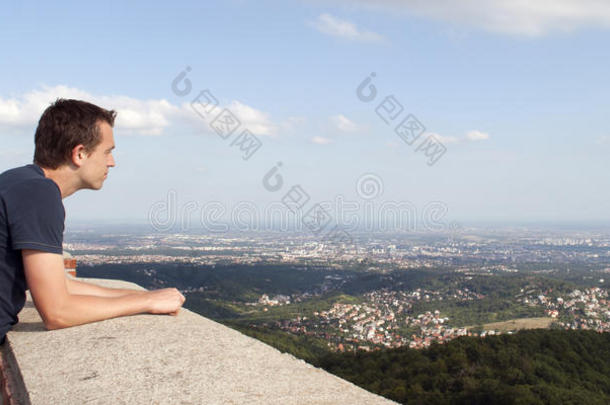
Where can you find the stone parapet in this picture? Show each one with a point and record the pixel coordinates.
(159, 359)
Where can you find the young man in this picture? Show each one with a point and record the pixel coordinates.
(74, 144)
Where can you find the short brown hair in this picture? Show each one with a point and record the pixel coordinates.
(64, 125)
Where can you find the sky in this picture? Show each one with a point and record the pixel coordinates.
(502, 104)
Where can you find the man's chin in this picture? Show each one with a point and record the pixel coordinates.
(94, 186)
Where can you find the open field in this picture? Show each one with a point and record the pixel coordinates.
(517, 324)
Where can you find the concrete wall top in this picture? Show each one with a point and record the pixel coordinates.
(157, 359)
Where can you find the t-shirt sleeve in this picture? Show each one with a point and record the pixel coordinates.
(36, 216)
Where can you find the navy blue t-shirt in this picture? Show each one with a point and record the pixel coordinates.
(31, 217)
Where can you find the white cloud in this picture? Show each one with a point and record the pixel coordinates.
(135, 116)
(344, 124)
(146, 117)
(603, 140)
(320, 140)
(514, 17)
(27, 110)
(255, 120)
(445, 140)
(327, 24)
(143, 117)
(471, 136)
(477, 136)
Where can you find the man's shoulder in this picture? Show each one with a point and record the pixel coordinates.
(27, 179)
(22, 172)
(30, 203)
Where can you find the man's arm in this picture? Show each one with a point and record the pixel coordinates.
(59, 308)
(76, 287)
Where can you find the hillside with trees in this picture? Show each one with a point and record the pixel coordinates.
(529, 367)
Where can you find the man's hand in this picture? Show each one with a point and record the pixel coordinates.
(165, 301)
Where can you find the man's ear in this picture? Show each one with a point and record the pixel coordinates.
(78, 155)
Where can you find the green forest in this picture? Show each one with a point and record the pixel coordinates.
(530, 367)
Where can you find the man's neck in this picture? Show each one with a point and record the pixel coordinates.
(64, 177)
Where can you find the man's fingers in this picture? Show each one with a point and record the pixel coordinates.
(167, 301)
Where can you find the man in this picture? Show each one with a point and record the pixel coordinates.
(73, 151)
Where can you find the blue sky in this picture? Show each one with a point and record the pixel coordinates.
(516, 94)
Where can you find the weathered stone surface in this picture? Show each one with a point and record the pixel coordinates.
(152, 359)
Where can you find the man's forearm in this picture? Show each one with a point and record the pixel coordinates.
(80, 309)
(76, 287)
(63, 302)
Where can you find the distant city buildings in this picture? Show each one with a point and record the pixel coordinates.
(383, 318)
(378, 251)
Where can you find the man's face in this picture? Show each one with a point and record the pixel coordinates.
(95, 167)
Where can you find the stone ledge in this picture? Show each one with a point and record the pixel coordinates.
(153, 359)
(12, 391)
